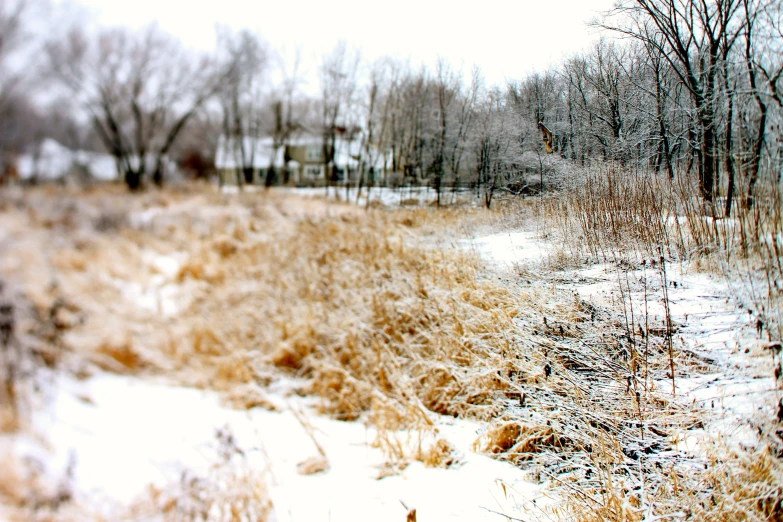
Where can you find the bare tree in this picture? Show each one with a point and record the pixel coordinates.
(377, 117)
(446, 85)
(465, 114)
(283, 104)
(495, 145)
(140, 89)
(409, 99)
(242, 98)
(12, 32)
(338, 85)
(18, 117)
(692, 36)
(751, 62)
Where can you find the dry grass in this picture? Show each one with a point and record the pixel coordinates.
(519, 442)
(220, 496)
(363, 311)
(353, 304)
(27, 494)
(231, 490)
(118, 355)
(731, 486)
(440, 455)
(609, 212)
(626, 218)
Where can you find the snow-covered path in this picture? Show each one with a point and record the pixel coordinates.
(738, 389)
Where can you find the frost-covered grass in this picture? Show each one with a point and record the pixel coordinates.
(657, 244)
(433, 341)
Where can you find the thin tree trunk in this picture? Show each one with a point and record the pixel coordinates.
(758, 142)
(729, 145)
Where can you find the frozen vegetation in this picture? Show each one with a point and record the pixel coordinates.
(283, 357)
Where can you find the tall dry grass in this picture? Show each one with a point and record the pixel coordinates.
(609, 210)
(624, 217)
(375, 314)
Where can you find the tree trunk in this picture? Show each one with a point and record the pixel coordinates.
(271, 177)
(247, 172)
(133, 180)
(758, 141)
(707, 153)
(729, 145)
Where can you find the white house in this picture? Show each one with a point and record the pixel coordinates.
(259, 153)
(300, 161)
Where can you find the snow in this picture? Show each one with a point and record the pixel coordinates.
(159, 293)
(125, 433)
(708, 323)
(509, 249)
(53, 161)
(387, 196)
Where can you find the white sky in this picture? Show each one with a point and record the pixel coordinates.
(506, 38)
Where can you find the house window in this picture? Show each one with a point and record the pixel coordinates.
(314, 171)
(313, 153)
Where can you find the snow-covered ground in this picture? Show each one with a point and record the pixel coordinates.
(508, 249)
(740, 386)
(122, 434)
(386, 196)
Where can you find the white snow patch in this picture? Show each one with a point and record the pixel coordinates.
(508, 249)
(158, 293)
(124, 434)
(386, 196)
(167, 264)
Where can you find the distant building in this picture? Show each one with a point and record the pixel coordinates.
(258, 154)
(51, 161)
(300, 161)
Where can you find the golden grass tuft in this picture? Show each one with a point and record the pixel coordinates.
(440, 455)
(292, 353)
(248, 397)
(9, 419)
(499, 439)
(521, 442)
(313, 465)
(226, 246)
(118, 355)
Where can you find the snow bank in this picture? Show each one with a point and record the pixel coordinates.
(124, 434)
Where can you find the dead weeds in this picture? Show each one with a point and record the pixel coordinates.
(385, 327)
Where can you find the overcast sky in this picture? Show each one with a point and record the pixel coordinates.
(507, 39)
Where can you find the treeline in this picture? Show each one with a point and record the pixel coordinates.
(691, 87)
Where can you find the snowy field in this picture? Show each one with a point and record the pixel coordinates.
(113, 440)
(109, 423)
